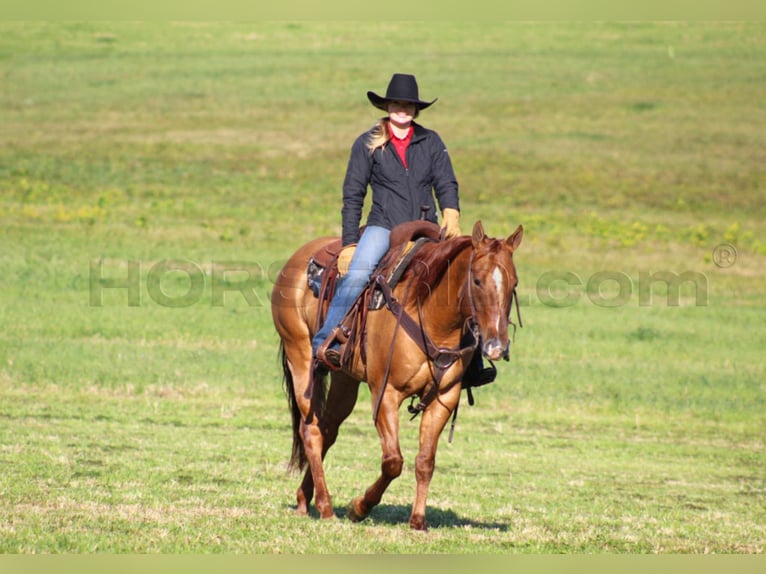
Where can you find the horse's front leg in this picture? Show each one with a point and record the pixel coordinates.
(434, 418)
(387, 425)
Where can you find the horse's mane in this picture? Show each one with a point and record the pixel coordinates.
(432, 261)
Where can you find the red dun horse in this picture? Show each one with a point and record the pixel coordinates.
(455, 291)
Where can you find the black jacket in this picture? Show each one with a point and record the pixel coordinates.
(397, 192)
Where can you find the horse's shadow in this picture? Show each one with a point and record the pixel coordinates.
(394, 514)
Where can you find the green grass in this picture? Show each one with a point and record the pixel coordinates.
(625, 149)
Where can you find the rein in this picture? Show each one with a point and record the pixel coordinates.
(515, 297)
(391, 350)
(440, 358)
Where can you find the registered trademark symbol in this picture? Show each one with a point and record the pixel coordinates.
(725, 255)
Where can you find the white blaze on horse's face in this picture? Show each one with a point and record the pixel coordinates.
(493, 286)
(495, 342)
(497, 276)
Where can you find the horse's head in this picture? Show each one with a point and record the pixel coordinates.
(492, 284)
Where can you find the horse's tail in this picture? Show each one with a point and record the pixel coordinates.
(298, 455)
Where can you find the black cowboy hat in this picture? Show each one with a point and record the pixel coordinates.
(401, 88)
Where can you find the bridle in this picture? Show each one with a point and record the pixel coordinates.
(468, 288)
(440, 358)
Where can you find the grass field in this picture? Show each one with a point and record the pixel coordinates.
(632, 416)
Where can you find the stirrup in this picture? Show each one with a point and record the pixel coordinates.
(484, 377)
(478, 378)
(332, 357)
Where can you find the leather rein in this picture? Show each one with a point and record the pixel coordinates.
(440, 358)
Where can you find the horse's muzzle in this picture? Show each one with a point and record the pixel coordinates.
(494, 349)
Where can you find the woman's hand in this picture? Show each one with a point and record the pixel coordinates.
(451, 223)
(344, 258)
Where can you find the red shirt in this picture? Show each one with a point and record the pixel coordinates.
(400, 145)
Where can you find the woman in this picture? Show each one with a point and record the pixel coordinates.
(405, 164)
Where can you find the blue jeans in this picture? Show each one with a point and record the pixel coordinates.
(371, 248)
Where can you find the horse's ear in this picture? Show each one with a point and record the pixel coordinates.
(514, 239)
(478, 233)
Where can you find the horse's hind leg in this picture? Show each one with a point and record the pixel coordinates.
(308, 431)
(340, 402)
(311, 437)
(387, 425)
(313, 442)
(305, 493)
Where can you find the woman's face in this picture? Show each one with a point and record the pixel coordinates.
(401, 113)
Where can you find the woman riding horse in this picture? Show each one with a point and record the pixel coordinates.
(403, 163)
(453, 302)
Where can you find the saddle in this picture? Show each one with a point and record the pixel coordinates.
(322, 271)
(322, 276)
(405, 241)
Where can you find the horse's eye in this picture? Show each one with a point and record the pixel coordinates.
(477, 282)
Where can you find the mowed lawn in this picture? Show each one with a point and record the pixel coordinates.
(154, 177)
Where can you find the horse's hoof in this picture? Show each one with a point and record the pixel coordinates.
(326, 512)
(302, 503)
(353, 514)
(418, 522)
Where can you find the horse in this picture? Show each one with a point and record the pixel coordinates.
(454, 299)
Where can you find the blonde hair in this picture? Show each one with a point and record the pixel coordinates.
(379, 135)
